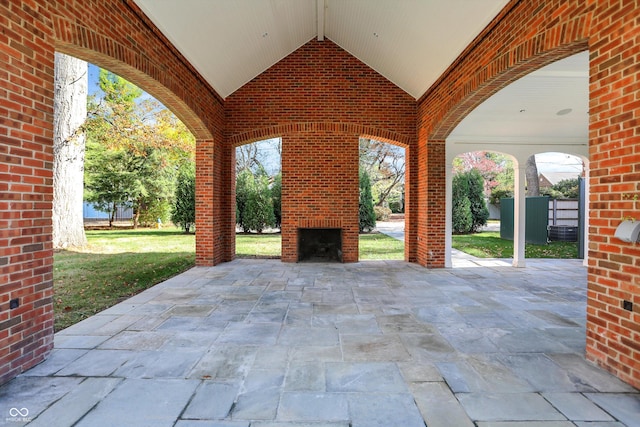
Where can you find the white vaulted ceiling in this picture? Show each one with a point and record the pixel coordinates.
(410, 42)
(546, 109)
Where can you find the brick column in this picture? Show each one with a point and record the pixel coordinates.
(320, 189)
(26, 189)
(227, 204)
(431, 195)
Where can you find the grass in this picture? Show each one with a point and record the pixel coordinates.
(258, 245)
(380, 246)
(488, 244)
(116, 265)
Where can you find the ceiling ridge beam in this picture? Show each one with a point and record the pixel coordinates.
(320, 7)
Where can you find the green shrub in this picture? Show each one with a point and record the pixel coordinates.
(159, 209)
(184, 207)
(462, 220)
(366, 214)
(254, 205)
(396, 206)
(469, 207)
(478, 205)
(276, 196)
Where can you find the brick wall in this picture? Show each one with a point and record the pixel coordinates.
(112, 35)
(320, 189)
(320, 100)
(613, 334)
(528, 35)
(26, 158)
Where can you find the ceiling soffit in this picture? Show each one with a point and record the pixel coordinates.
(547, 108)
(409, 42)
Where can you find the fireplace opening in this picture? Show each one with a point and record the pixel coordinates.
(320, 244)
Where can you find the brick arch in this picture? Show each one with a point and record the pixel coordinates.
(464, 102)
(525, 36)
(148, 80)
(121, 38)
(328, 127)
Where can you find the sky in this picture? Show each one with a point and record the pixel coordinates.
(558, 162)
(94, 72)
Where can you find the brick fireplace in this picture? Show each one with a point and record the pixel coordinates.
(320, 192)
(320, 244)
(320, 113)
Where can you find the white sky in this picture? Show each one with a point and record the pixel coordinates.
(558, 162)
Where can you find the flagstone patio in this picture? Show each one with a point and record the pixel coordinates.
(262, 343)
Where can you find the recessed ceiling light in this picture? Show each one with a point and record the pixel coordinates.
(564, 112)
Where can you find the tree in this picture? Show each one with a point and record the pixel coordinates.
(260, 156)
(489, 164)
(70, 113)
(531, 173)
(137, 146)
(184, 208)
(565, 189)
(247, 157)
(477, 203)
(504, 188)
(276, 196)
(366, 213)
(109, 180)
(254, 205)
(244, 182)
(258, 213)
(385, 165)
(461, 218)
(469, 207)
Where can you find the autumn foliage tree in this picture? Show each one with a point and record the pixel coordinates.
(135, 147)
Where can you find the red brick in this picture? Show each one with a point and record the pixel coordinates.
(526, 35)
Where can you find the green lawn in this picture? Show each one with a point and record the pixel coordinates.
(258, 245)
(488, 244)
(116, 264)
(380, 246)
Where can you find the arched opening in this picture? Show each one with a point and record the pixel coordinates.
(383, 169)
(138, 155)
(546, 108)
(258, 194)
(555, 203)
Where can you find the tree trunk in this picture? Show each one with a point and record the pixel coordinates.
(533, 181)
(112, 215)
(70, 112)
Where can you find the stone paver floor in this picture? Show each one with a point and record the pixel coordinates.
(262, 343)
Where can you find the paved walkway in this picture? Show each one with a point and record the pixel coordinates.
(262, 343)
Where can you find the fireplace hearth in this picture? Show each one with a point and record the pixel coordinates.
(320, 244)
